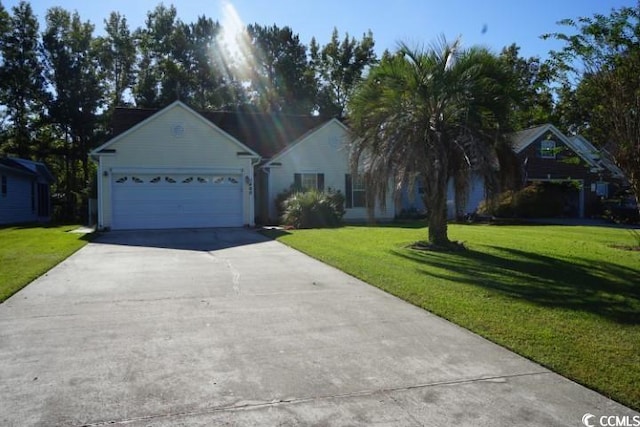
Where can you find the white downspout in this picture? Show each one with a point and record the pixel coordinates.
(100, 194)
(252, 192)
(270, 199)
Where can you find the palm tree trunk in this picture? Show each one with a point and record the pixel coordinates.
(438, 235)
(436, 196)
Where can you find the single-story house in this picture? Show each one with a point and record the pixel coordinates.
(25, 194)
(179, 168)
(546, 154)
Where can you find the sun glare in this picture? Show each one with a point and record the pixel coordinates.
(234, 43)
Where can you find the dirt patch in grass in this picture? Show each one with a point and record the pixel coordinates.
(626, 247)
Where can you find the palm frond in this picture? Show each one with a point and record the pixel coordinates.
(437, 114)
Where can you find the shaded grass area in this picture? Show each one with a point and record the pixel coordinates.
(27, 252)
(562, 296)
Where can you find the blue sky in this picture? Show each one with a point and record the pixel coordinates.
(416, 22)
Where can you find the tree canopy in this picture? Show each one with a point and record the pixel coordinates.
(599, 69)
(60, 84)
(339, 67)
(22, 86)
(435, 115)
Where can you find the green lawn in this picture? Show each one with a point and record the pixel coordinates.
(27, 252)
(561, 296)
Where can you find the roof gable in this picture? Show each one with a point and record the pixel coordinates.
(129, 120)
(522, 139)
(305, 136)
(262, 134)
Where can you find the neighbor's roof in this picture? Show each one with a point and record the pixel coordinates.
(520, 139)
(266, 134)
(586, 147)
(600, 156)
(28, 167)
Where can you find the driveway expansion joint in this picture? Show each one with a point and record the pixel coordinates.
(296, 400)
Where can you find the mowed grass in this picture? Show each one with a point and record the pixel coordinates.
(27, 252)
(559, 295)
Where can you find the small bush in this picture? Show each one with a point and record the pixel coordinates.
(501, 206)
(313, 209)
(538, 200)
(623, 208)
(282, 197)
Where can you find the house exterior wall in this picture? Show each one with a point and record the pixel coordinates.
(566, 166)
(475, 196)
(16, 206)
(44, 198)
(158, 146)
(323, 151)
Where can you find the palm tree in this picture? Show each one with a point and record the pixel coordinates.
(436, 115)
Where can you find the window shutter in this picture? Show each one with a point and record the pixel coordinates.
(347, 191)
(297, 181)
(320, 182)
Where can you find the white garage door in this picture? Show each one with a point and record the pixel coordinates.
(178, 200)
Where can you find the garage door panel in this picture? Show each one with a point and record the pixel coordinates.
(161, 221)
(176, 201)
(208, 195)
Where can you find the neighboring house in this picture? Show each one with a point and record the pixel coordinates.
(178, 168)
(24, 191)
(546, 154)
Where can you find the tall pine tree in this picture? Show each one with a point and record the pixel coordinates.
(339, 67)
(73, 74)
(21, 79)
(117, 55)
(283, 79)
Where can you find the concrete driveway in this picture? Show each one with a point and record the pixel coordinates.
(223, 327)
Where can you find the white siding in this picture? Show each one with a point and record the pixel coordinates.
(323, 151)
(154, 146)
(16, 206)
(476, 195)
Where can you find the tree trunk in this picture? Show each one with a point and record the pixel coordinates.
(634, 181)
(435, 196)
(437, 213)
